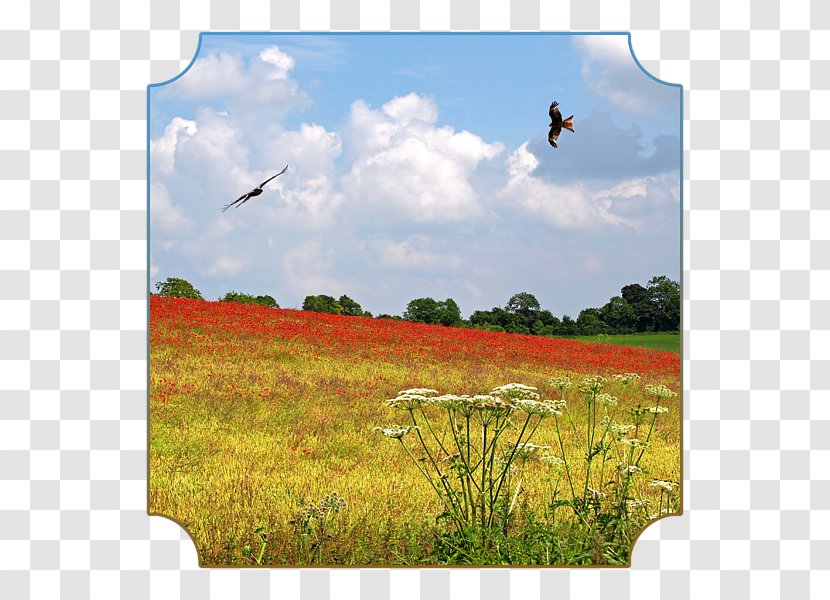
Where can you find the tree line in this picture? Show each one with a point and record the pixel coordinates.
(654, 307)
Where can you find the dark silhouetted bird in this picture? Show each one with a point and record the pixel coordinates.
(254, 192)
(556, 123)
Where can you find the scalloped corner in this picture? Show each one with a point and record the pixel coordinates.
(185, 529)
(644, 70)
(185, 70)
(643, 530)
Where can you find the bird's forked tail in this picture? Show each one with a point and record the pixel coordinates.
(568, 123)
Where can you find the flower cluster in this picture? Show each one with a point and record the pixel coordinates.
(626, 378)
(562, 382)
(500, 401)
(592, 385)
(525, 451)
(668, 486)
(660, 391)
(412, 398)
(604, 399)
(552, 461)
(396, 431)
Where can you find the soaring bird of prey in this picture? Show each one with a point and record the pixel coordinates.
(254, 192)
(556, 123)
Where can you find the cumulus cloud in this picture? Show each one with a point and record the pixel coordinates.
(167, 217)
(263, 81)
(414, 252)
(282, 62)
(163, 149)
(224, 266)
(610, 71)
(406, 165)
(567, 206)
(603, 150)
(308, 270)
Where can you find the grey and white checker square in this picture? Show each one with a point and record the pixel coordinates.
(756, 299)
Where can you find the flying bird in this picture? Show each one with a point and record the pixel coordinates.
(254, 192)
(556, 123)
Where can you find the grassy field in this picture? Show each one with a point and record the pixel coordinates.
(665, 341)
(258, 415)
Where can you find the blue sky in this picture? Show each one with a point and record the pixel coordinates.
(418, 166)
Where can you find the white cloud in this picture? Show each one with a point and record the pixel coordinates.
(415, 252)
(224, 266)
(282, 62)
(609, 70)
(163, 148)
(167, 218)
(307, 269)
(405, 165)
(263, 81)
(566, 206)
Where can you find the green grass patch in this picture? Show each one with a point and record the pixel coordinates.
(665, 341)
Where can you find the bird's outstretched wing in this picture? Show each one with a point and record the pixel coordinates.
(553, 135)
(555, 115)
(270, 178)
(242, 197)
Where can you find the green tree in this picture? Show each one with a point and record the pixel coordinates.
(249, 299)
(422, 310)
(323, 304)
(589, 322)
(619, 315)
(665, 300)
(350, 307)
(178, 288)
(640, 300)
(525, 305)
(449, 313)
(568, 326)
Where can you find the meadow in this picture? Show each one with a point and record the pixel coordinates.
(663, 340)
(273, 440)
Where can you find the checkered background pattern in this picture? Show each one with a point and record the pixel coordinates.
(756, 279)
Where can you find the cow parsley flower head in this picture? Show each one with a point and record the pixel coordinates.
(626, 378)
(526, 450)
(532, 407)
(668, 486)
(658, 409)
(596, 494)
(552, 461)
(396, 431)
(411, 398)
(513, 391)
(557, 404)
(633, 442)
(604, 399)
(630, 469)
(620, 429)
(592, 385)
(562, 382)
(661, 391)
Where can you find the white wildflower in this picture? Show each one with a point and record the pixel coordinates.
(563, 382)
(513, 391)
(626, 378)
(552, 461)
(660, 391)
(396, 431)
(667, 486)
(592, 385)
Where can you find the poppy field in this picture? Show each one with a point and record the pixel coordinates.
(281, 438)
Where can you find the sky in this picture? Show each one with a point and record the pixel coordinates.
(418, 166)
